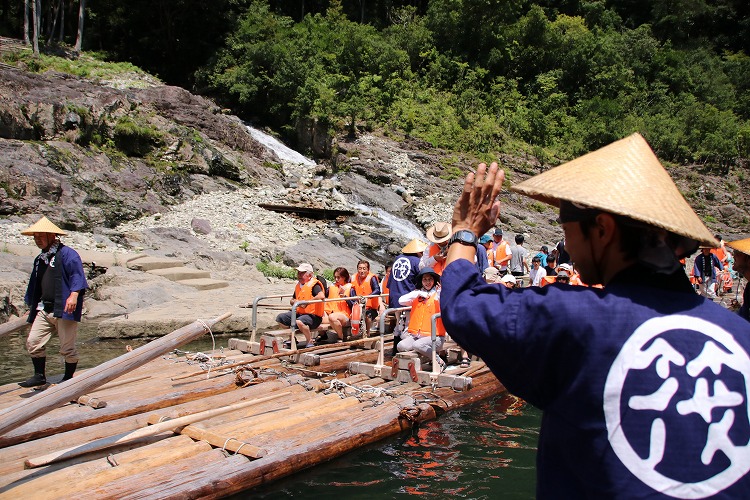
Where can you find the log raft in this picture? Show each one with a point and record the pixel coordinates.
(171, 428)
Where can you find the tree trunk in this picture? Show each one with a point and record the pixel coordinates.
(36, 8)
(26, 38)
(62, 21)
(79, 38)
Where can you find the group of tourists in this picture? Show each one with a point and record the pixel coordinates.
(644, 384)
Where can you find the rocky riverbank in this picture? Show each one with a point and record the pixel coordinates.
(158, 171)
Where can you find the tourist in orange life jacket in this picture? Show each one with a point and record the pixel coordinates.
(742, 266)
(366, 283)
(721, 252)
(501, 251)
(424, 302)
(434, 256)
(339, 311)
(311, 315)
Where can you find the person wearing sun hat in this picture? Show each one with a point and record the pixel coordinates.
(434, 255)
(401, 281)
(55, 299)
(643, 384)
(424, 302)
(742, 267)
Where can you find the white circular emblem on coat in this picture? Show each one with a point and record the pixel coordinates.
(401, 269)
(676, 406)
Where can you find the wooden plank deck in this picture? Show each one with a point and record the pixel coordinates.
(313, 419)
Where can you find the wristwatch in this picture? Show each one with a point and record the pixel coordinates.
(465, 237)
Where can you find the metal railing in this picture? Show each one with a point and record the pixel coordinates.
(293, 309)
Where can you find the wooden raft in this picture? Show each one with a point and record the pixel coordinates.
(238, 427)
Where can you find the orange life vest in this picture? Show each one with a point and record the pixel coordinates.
(547, 280)
(421, 317)
(384, 288)
(720, 254)
(501, 252)
(304, 292)
(337, 292)
(438, 266)
(364, 288)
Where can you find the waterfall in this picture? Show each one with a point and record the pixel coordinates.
(285, 153)
(399, 226)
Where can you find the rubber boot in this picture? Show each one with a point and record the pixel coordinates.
(70, 369)
(38, 378)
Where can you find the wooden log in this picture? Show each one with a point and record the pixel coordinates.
(119, 383)
(73, 416)
(91, 401)
(68, 489)
(55, 396)
(174, 425)
(297, 413)
(13, 325)
(144, 483)
(12, 458)
(30, 486)
(240, 475)
(277, 355)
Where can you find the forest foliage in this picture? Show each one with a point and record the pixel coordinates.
(554, 79)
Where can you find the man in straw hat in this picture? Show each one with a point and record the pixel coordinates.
(401, 281)
(643, 384)
(434, 256)
(55, 299)
(742, 267)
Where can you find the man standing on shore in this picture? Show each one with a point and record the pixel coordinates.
(644, 384)
(55, 300)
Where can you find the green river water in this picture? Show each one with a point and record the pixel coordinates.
(484, 451)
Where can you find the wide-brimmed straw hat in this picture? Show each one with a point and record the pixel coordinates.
(440, 232)
(740, 245)
(43, 225)
(414, 246)
(622, 178)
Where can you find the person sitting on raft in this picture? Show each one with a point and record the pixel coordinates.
(309, 316)
(366, 283)
(424, 302)
(339, 311)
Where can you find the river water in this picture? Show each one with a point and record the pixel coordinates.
(485, 450)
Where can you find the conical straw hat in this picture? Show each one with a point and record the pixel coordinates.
(622, 178)
(414, 246)
(43, 225)
(740, 245)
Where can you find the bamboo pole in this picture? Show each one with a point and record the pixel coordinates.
(278, 355)
(13, 325)
(169, 425)
(70, 390)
